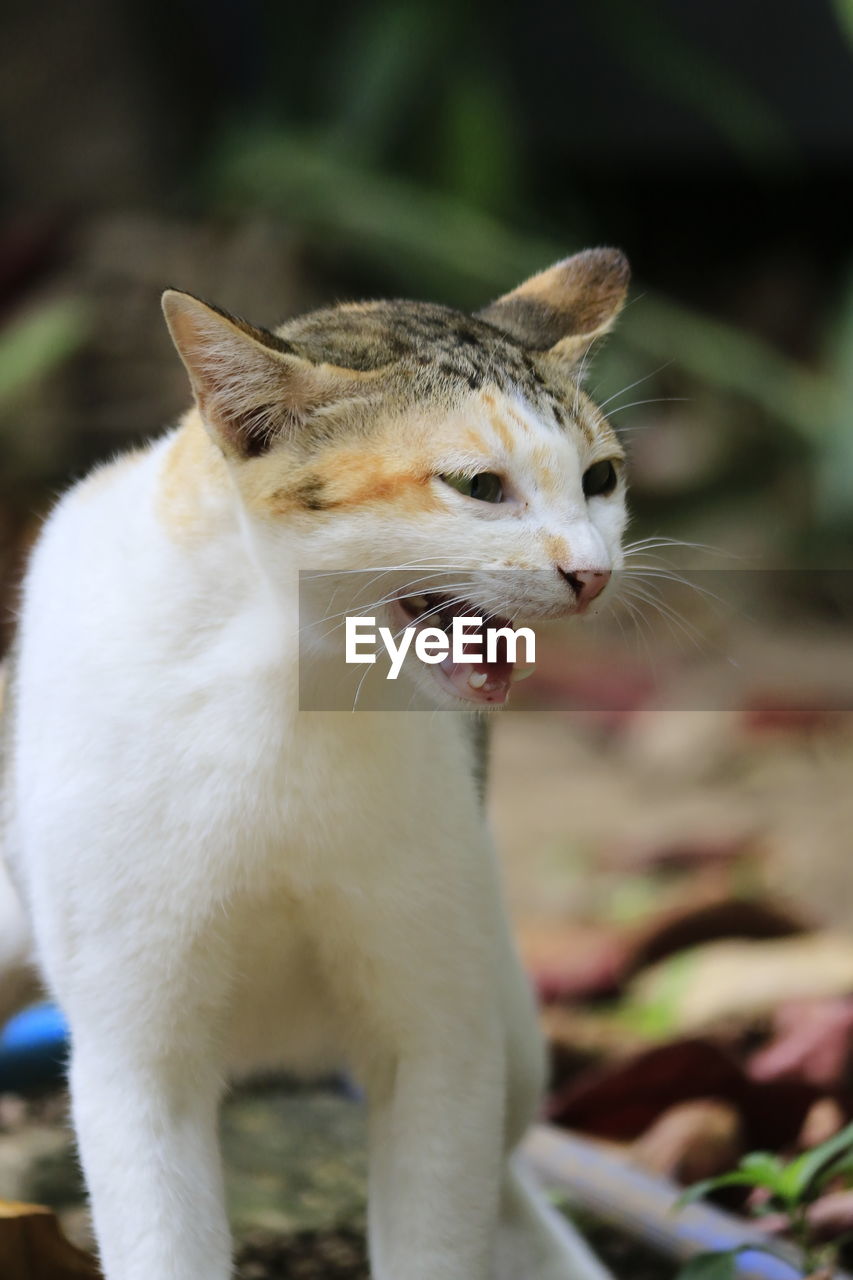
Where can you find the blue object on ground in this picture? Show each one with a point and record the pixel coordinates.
(33, 1049)
(645, 1207)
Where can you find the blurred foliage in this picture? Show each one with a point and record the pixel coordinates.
(788, 1187)
(391, 137)
(35, 343)
(449, 221)
(435, 241)
(844, 13)
(835, 459)
(689, 77)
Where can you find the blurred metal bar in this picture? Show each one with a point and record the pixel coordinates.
(642, 1206)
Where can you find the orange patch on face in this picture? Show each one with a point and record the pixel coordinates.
(410, 492)
(542, 459)
(520, 422)
(354, 477)
(502, 431)
(556, 549)
(475, 442)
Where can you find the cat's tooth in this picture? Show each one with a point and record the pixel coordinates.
(521, 673)
(477, 679)
(418, 602)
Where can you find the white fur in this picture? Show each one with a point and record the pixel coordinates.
(217, 881)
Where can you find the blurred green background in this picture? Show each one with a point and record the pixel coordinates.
(275, 157)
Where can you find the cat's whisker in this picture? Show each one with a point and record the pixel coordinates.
(445, 604)
(368, 608)
(669, 615)
(619, 623)
(620, 408)
(378, 571)
(436, 609)
(399, 591)
(659, 540)
(423, 562)
(367, 671)
(357, 603)
(642, 627)
(643, 573)
(579, 377)
(631, 385)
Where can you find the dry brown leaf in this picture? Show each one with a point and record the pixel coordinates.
(824, 1119)
(571, 960)
(709, 916)
(724, 980)
(692, 1141)
(620, 1100)
(32, 1247)
(813, 1041)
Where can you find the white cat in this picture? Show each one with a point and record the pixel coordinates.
(216, 880)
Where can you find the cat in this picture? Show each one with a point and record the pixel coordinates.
(211, 880)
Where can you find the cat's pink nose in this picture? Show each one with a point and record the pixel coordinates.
(586, 584)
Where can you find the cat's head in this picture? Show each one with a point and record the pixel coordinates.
(459, 450)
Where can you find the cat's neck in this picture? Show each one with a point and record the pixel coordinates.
(222, 584)
(195, 496)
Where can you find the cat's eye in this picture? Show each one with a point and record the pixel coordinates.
(485, 486)
(599, 479)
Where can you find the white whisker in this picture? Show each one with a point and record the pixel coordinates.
(636, 383)
(620, 408)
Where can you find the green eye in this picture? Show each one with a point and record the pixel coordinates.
(485, 487)
(599, 479)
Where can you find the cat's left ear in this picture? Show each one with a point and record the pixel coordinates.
(563, 309)
(251, 388)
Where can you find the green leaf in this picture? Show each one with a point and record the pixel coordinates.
(710, 1266)
(738, 1178)
(797, 1177)
(838, 1169)
(757, 1169)
(835, 459)
(764, 1165)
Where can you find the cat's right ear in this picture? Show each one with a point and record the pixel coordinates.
(251, 389)
(565, 308)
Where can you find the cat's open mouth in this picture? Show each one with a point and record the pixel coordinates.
(483, 681)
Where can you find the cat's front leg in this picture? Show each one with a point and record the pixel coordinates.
(146, 1079)
(147, 1137)
(534, 1241)
(426, 1036)
(435, 1156)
